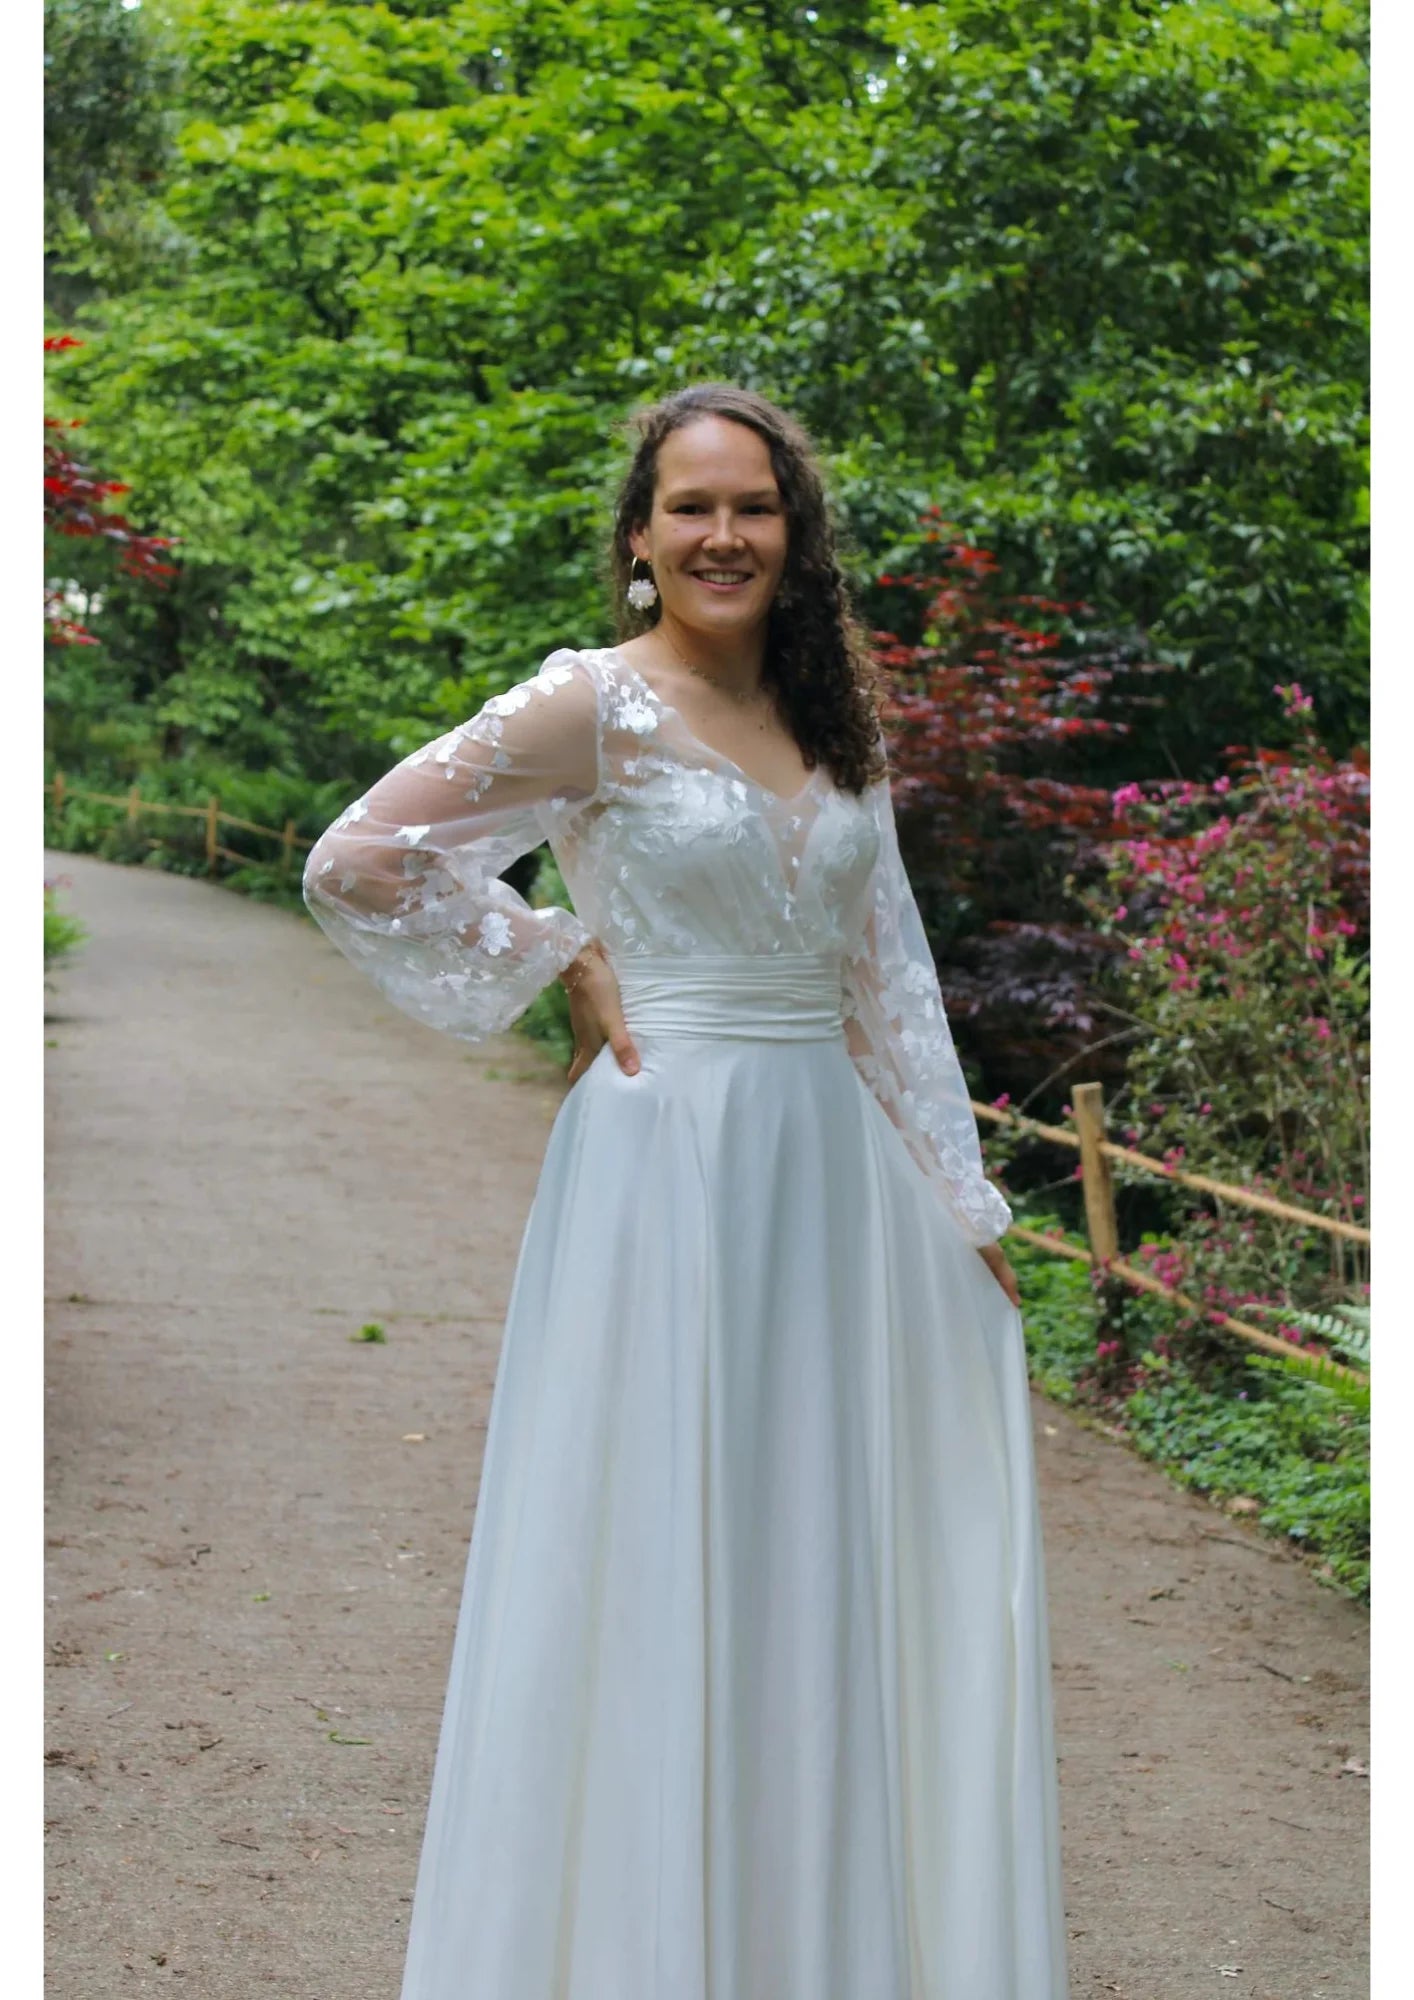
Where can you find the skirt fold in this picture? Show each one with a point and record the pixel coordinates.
(750, 1689)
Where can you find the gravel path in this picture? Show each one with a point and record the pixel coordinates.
(257, 1522)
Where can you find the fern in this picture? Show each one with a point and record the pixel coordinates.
(1345, 1327)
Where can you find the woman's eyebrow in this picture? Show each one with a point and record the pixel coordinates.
(702, 492)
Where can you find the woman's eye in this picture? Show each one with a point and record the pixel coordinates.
(695, 507)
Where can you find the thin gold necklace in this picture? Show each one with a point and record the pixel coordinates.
(741, 697)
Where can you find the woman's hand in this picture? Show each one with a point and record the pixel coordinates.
(596, 1012)
(995, 1258)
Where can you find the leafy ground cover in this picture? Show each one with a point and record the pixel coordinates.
(1289, 1452)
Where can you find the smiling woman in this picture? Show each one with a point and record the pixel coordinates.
(750, 630)
(750, 1691)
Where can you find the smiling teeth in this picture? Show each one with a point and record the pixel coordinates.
(723, 575)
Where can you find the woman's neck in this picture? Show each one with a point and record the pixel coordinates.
(732, 660)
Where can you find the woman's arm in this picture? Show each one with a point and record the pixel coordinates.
(406, 881)
(898, 1035)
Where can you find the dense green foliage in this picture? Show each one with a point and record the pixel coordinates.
(1291, 1453)
(107, 79)
(1087, 273)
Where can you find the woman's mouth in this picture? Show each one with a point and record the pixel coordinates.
(722, 580)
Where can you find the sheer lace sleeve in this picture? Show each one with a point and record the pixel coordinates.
(405, 880)
(898, 1036)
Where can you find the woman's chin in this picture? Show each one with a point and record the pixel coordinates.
(721, 616)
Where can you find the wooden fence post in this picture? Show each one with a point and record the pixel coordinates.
(1100, 1221)
(287, 851)
(213, 811)
(58, 793)
(133, 805)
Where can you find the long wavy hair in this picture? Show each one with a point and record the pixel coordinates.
(817, 664)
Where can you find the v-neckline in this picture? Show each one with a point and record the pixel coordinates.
(667, 708)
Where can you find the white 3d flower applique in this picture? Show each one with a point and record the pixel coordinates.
(636, 714)
(494, 932)
(510, 702)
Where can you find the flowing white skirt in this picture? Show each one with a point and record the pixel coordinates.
(750, 1696)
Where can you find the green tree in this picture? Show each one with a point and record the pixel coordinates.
(106, 80)
(1089, 274)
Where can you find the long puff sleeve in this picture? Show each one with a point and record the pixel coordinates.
(406, 883)
(898, 1037)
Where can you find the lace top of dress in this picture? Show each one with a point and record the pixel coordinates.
(666, 847)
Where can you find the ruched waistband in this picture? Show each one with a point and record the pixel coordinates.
(793, 997)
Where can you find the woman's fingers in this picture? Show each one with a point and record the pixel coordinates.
(624, 1051)
(596, 1017)
(995, 1258)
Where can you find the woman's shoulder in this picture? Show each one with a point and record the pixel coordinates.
(562, 669)
(607, 679)
(564, 666)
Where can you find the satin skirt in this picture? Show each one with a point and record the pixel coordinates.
(750, 1693)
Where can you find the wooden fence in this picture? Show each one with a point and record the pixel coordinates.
(1088, 1138)
(1102, 1225)
(135, 807)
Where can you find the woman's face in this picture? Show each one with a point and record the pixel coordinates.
(717, 535)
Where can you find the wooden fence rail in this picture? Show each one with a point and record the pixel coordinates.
(1102, 1222)
(1096, 1151)
(1241, 1197)
(135, 807)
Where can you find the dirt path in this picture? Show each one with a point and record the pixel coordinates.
(257, 1524)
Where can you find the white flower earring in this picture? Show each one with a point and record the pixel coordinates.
(642, 591)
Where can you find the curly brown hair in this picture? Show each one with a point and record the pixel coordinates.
(817, 662)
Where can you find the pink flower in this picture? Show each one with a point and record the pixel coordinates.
(1221, 785)
(1205, 1110)
(1322, 1027)
(1000, 1103)
(1127, 795)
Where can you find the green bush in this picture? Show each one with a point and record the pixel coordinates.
(1219, 1420)
(177, 841)
(63, 933)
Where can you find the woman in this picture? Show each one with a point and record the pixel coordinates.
(750, 1692)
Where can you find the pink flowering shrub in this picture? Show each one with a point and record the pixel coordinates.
(1240, 915)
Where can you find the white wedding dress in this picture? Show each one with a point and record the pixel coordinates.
(750, 1694)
